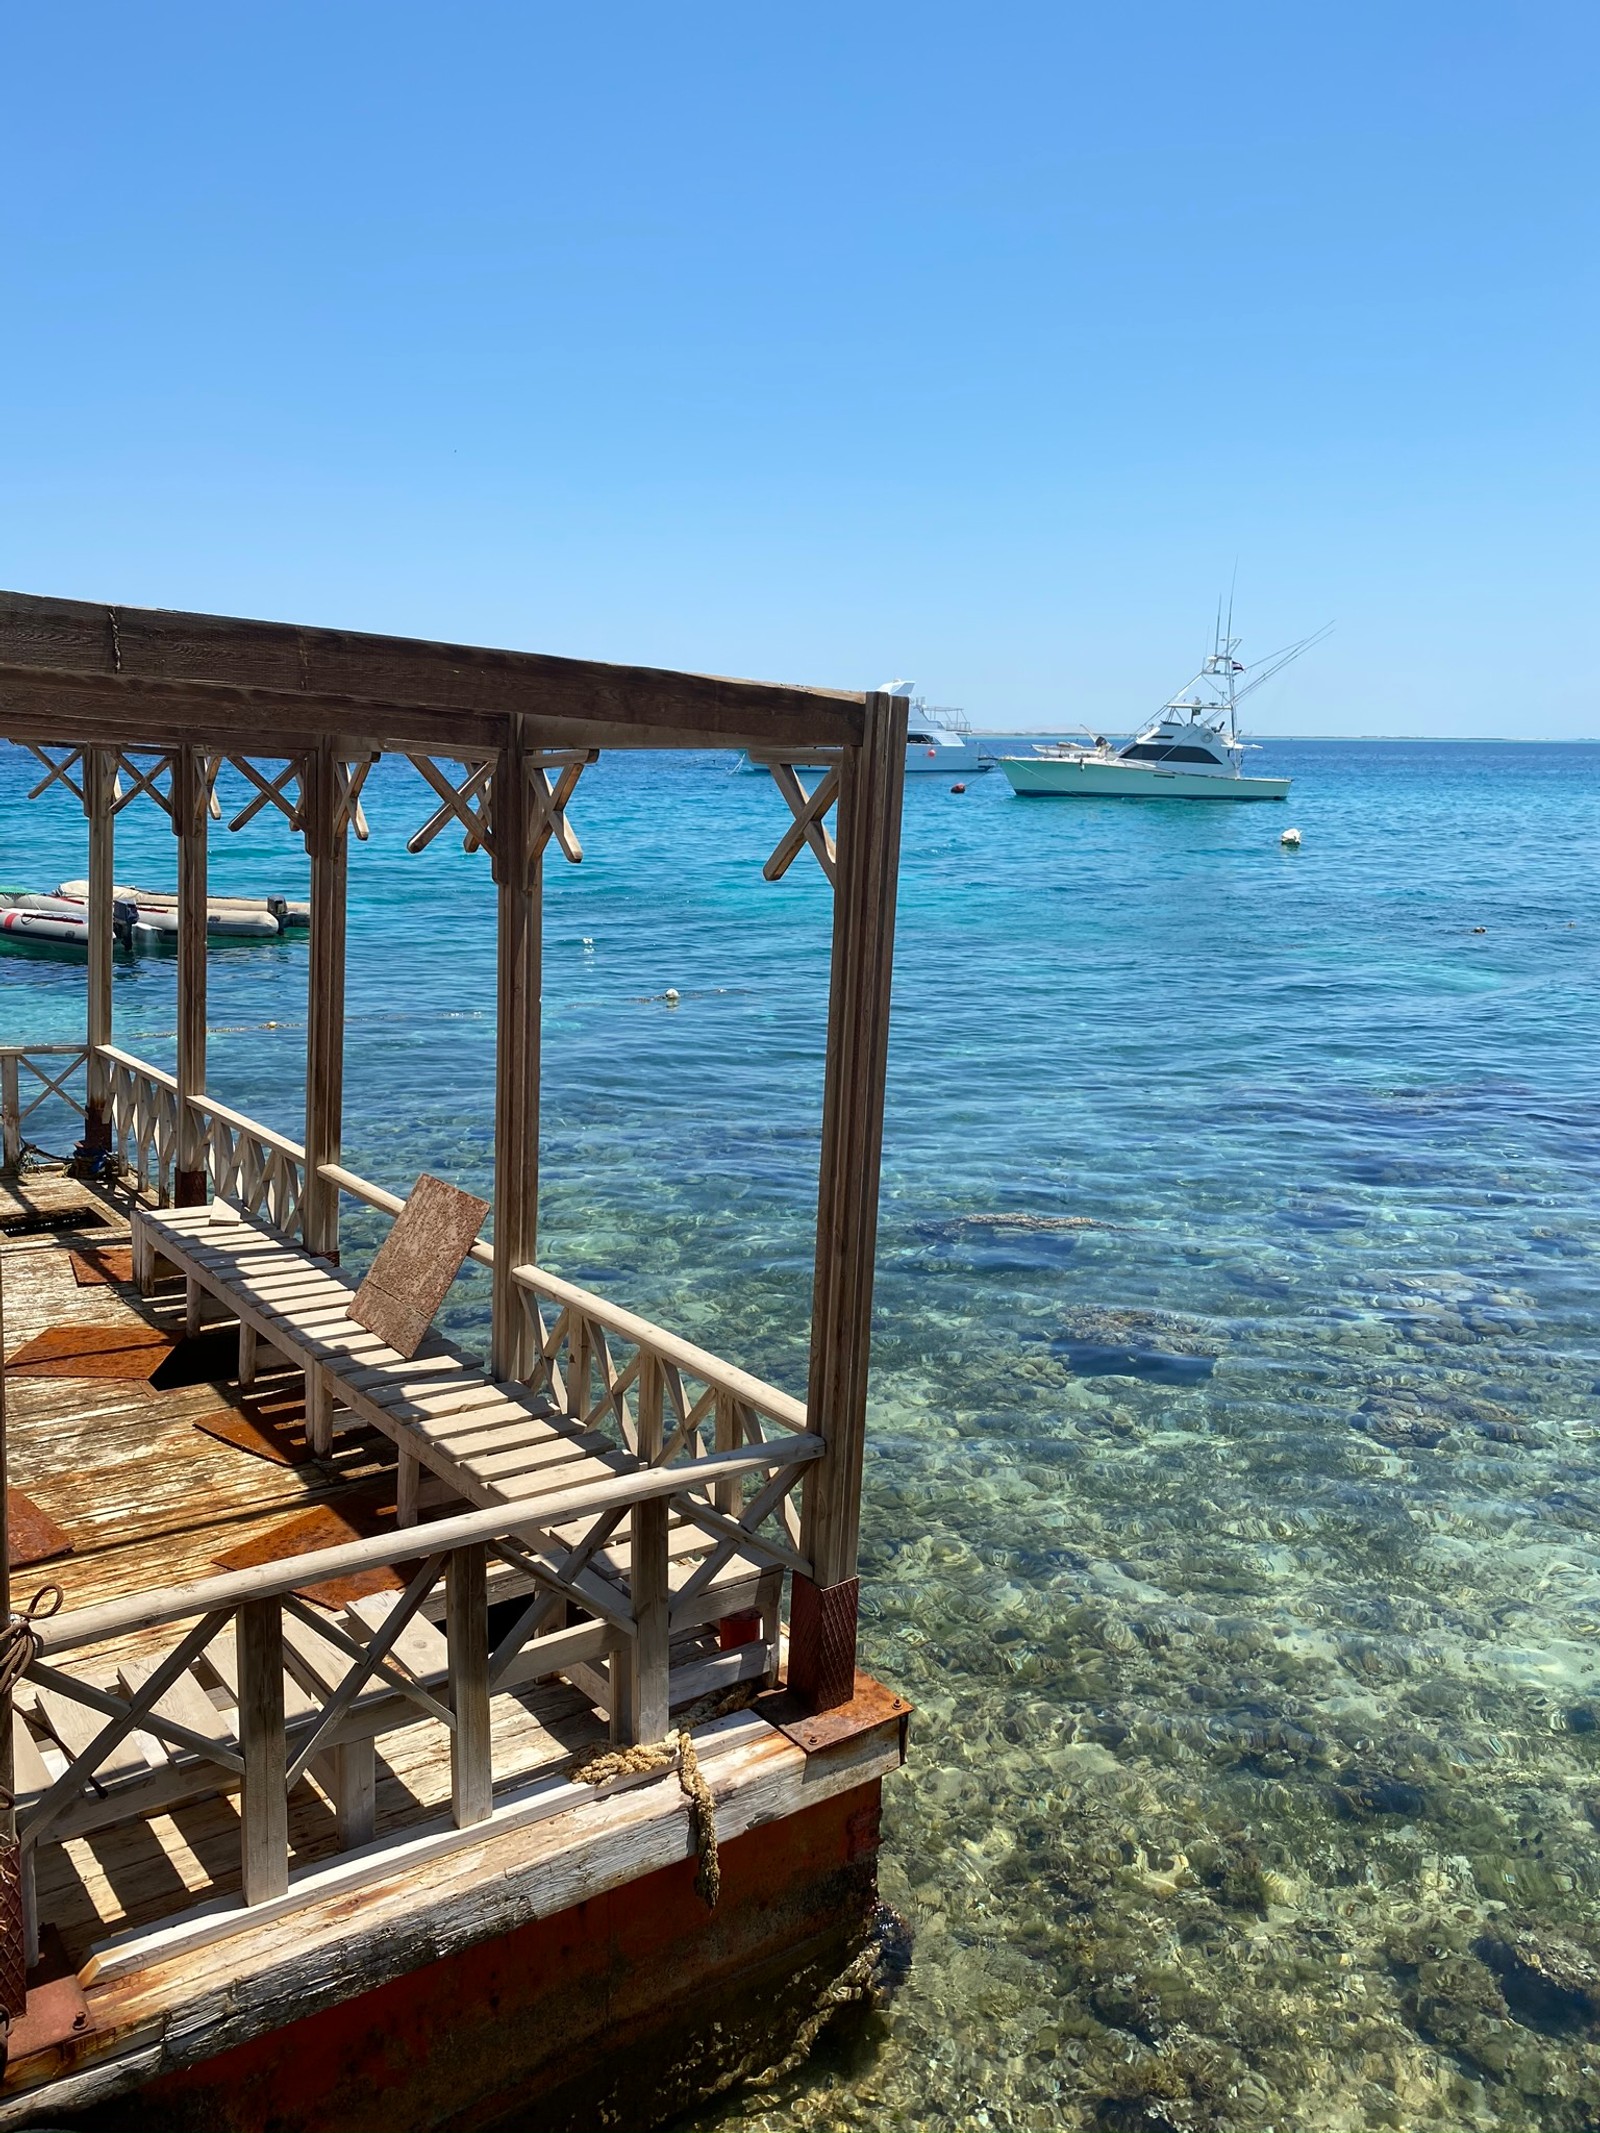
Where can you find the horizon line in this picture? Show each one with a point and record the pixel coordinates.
(1499, 740)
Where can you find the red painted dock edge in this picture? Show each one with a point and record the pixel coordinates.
(619, 2012)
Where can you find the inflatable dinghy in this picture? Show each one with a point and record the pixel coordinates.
(286, 916)
(28, 921)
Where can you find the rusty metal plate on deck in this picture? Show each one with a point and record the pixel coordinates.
(32, 1535)
(870, 1707)
(417, 1262)
(101, 1265)
(356, 1517)
(130, 1351)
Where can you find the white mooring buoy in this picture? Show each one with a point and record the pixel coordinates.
(1291, 838)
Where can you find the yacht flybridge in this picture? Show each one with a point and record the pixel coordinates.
(939, 738)
(1191, 750)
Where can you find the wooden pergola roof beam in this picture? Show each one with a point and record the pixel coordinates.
(148, 675)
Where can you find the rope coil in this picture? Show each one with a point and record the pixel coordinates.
(19, 1640)
(19, 1647)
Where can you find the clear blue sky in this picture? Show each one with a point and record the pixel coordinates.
(829, 342)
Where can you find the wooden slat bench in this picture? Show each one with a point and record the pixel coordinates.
(489, 1443)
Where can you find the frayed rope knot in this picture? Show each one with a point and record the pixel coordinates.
(676, 1750)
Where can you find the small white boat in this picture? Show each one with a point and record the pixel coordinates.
(23, 927)
(1191, 750)
(939, 740)
(62, 921)
(29, 921)
(157, 926)
(284, 915)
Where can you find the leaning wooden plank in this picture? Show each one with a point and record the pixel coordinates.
(417, 1262)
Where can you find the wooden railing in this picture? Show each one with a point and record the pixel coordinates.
(51, 1066)
(218, 1699)
(248, 1163)
(658, 1397)
(259, 1170)
(144, 1121)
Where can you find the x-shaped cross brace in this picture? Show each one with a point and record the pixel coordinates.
(808, 827)
(467, 803)
(55, 770)
(52, 1087)
(348, 779)
(271, 792)
(145, 781)
(547, 803)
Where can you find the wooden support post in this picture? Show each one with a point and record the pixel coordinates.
(649, 1712)
(328, 844)
(407, 1482)
(467, 1630)
(518, 875)
(264, 1807)
(729, 1435)
(727, 1496)
(99, 784)
(355, 1791)
(190, 794)
(319, 1411)
(21, 1933)
(822, 1647)
(11, 1111)
(249, 1345)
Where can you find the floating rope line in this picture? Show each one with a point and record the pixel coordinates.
(677, 1750)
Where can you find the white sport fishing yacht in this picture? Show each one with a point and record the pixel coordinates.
(939, 738)
(1191, 750)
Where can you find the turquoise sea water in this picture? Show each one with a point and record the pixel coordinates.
(1233, 1502)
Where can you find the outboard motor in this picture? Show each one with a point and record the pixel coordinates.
(279, 907)
(124, 917)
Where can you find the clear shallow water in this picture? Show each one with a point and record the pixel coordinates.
(1234, 1488)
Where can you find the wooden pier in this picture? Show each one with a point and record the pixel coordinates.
(420, 1738)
